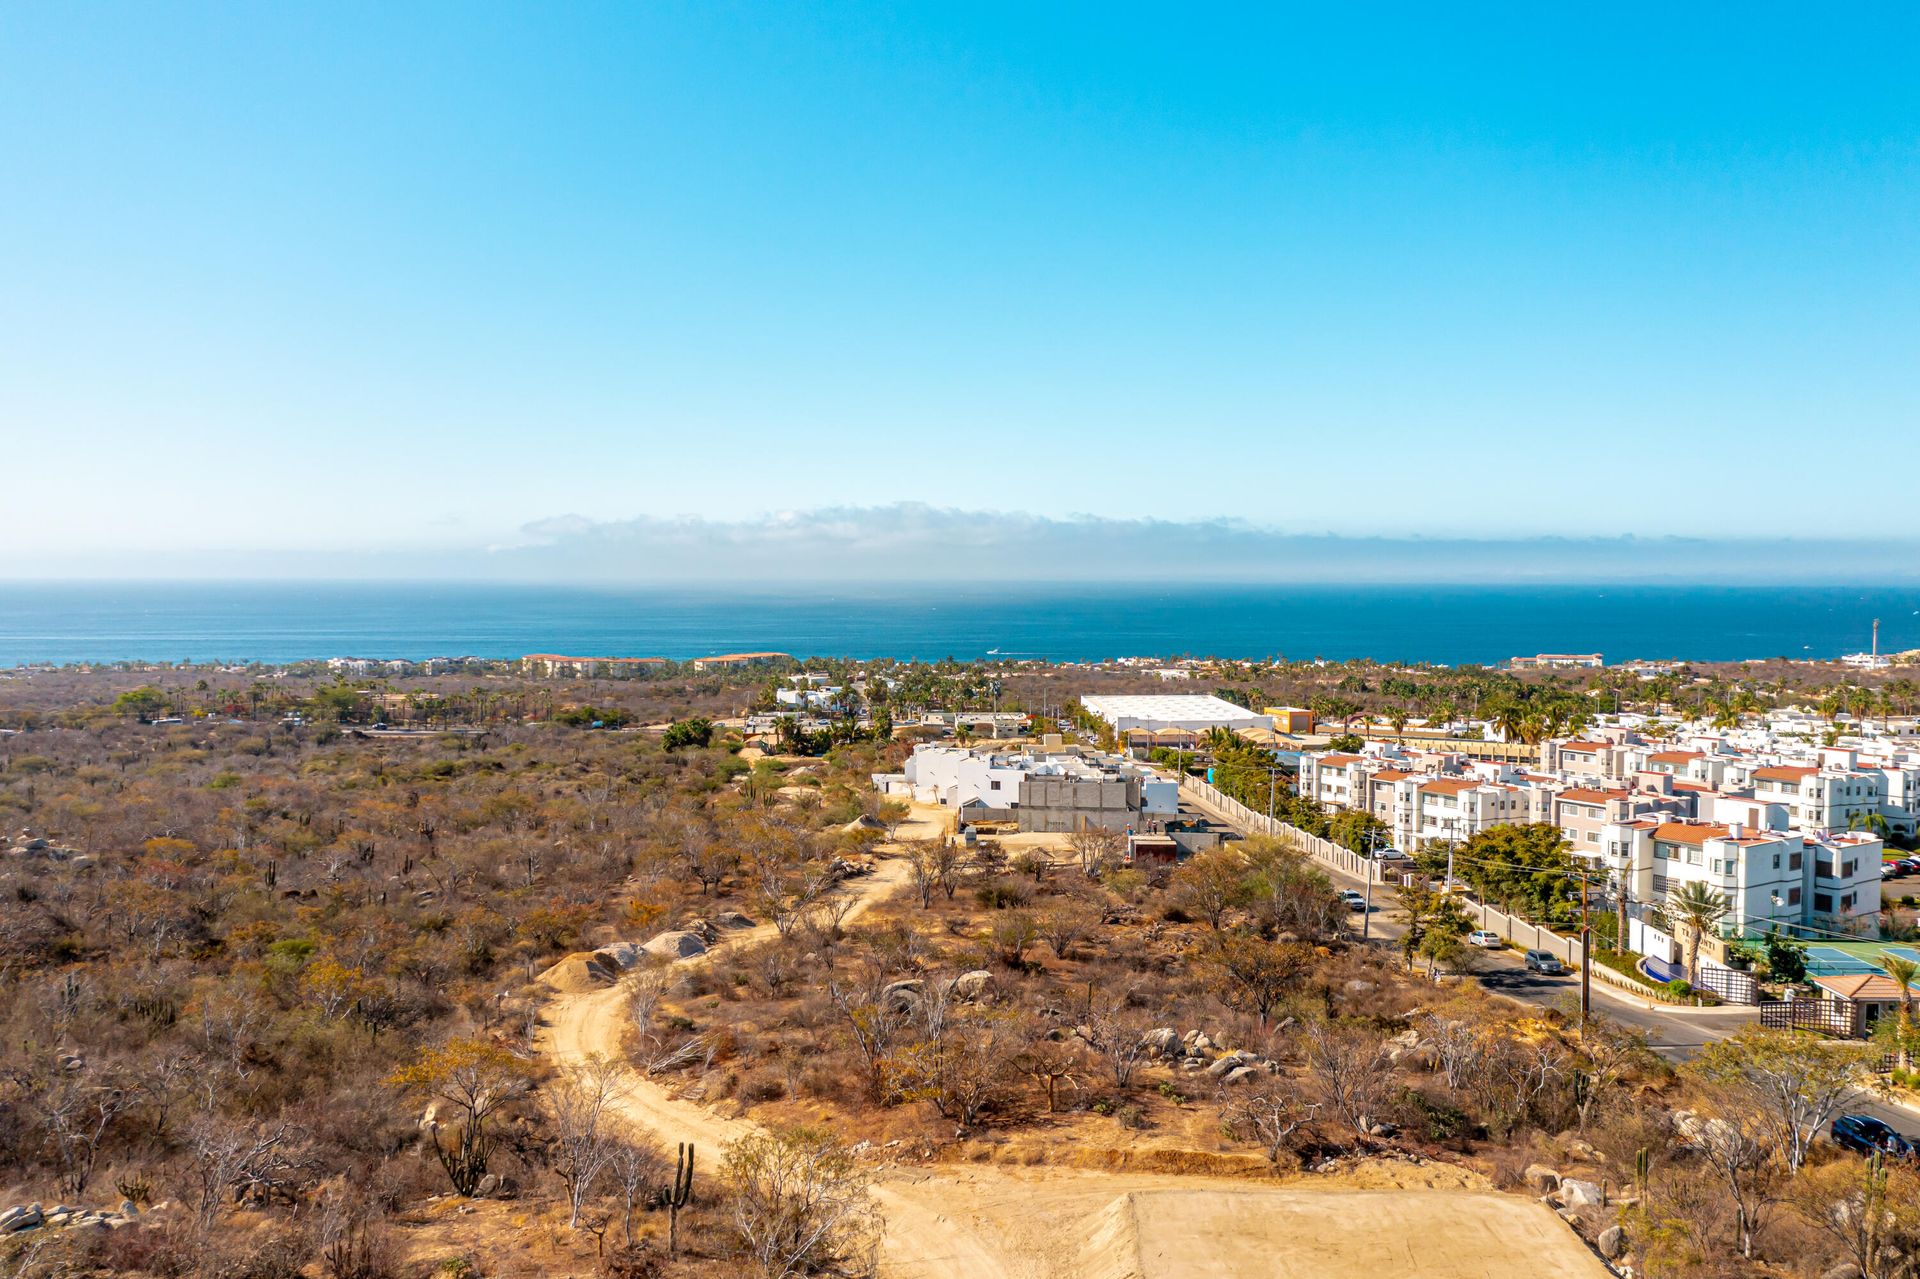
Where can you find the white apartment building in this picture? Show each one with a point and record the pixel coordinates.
(1424, 796)
(956, 776)
(1768, 877)
(1836, 794)
(1458, 808)
(1781, 830)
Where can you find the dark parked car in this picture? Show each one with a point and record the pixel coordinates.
(1866, 1135)
(1545, 961)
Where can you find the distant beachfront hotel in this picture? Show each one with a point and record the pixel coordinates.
(556, 666)
(1543, 661)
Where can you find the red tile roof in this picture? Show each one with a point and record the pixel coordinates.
(1783, 773)
(1673, 757)
(1689, 832)
(1871, 986)
(1587, 795)
(1452, 785)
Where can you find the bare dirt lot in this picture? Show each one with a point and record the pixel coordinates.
(1046, 1224)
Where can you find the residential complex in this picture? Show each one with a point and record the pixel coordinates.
(1788, 833)
(555, 665)
(1061, 790)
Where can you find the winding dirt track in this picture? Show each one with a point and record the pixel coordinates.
(985, 1222)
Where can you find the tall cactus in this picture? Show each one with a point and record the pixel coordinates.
(679, 1194)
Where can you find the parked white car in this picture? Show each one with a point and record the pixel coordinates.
(1486, 939)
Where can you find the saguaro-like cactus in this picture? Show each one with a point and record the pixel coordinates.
(679, 1194)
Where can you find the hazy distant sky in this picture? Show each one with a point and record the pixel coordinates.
(410, 278)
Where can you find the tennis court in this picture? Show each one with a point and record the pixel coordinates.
(1842, 959)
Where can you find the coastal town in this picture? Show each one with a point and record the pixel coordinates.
(875, 641)
(1191, 899)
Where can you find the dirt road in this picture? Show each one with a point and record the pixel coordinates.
(985, 1222)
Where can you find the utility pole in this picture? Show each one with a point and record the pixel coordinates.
(1586, 951)
(1586, 974)
(1366, 916)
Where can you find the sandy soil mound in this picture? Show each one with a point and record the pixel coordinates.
(580, 972)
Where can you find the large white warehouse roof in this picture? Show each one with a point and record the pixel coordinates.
(1161, 711)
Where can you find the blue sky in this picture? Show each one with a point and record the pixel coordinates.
(413, 279)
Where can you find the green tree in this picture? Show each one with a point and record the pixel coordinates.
(697, 731)
(1523, 866)
(1359, 831)
(1786, 962)
(1903, 973)
(1429, 915)
(1697, 908)
(143, 702)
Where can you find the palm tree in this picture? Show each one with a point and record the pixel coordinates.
(1901, 693)
(1696, 908)
(1904, 973)
(1871, 820)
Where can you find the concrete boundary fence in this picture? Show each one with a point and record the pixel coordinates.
(1519, 931)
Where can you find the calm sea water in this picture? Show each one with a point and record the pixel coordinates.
(94, 622)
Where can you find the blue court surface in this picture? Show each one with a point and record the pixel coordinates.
(1847, 958)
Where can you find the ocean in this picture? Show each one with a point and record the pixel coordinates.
(280, 622)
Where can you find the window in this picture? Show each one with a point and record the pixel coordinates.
(993, 785)
(1793, 897)
(1776, 861)
(1593, 837)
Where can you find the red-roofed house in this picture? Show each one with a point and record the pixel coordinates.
(1867, 997)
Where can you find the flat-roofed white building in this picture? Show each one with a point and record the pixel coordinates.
(1807, 878)
(1157, 712)
(1051, 791)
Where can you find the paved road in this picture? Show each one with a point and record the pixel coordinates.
(1674, 1035)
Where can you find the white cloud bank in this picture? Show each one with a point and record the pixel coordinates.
(910, 542)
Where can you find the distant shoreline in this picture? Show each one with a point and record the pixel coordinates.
(1451, 626)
